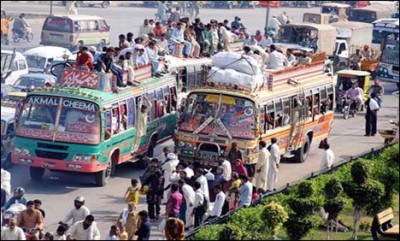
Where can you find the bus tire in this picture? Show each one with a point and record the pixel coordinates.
(36, 173)
(302, 153)
(101, 178)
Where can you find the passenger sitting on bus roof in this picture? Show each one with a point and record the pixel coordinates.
(85, 59)
(105, 63)
(304, 58)
(141, 58)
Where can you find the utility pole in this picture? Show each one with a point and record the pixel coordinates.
(266, 22)
(51, 7)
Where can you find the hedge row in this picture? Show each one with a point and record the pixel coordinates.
(253, 223)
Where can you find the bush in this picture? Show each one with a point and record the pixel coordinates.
(273, 216)
(210, 232)
(230, 232)
(249, 220)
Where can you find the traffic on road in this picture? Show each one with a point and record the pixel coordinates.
(146, 123)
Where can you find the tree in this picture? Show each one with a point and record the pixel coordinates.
(303, 204)
(362, 191)
(334, 202)
(273, 217)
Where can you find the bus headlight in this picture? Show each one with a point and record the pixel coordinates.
(21, 151)
(181, 144)
(84, 158)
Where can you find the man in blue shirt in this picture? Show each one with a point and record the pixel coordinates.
(245, 192)
(177, 37)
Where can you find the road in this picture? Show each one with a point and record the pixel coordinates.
(129, 19)
(57, 191)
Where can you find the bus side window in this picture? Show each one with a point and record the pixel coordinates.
(278, 117)
(263, 123)
(174, 99)
(286, 112)
(270, 116)
(316, 104)
(131, 113)
(115, 120)
(108, 117)
(123, 116)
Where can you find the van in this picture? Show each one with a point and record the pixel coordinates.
(11, 71)
(40, 58)
(72, 31)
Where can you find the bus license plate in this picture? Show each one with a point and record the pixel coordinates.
(49, 165)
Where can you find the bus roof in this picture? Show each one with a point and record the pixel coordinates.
(104, 96)
(312, 25)
(78, 17)
(338, 5)
(354, 72)
(387, 20)
(351, 25)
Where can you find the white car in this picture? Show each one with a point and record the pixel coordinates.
(40, 58)
(103, 4)
(13, 65)
(28, 81)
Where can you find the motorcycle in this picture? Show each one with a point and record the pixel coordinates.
(20, 35)
(349, 107)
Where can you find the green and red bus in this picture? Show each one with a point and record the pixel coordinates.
(88, 130)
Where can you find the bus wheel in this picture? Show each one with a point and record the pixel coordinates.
(302, 153)
(36, 173)
(101, 178)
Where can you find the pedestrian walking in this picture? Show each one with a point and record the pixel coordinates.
(132, 193)
(371, 116)
(200, 205)
(274, 160)
(143, 232)
(129, 219)
(245, 192)
(174, 202)
(174, 229)
(189, 195)
(262, 166)
(328, 158)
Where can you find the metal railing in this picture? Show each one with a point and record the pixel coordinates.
(367, 154)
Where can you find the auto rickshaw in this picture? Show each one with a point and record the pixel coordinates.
(345, 80)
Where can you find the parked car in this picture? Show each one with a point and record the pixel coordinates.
(13, 65)
(103, 4)
(39, 58)
(28, 81)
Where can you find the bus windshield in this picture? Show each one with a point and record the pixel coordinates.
(220, 115)
(60, 119)
(390, 54)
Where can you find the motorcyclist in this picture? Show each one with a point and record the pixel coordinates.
(20, 25)
(31, 221)
(355, 60)
(18, 197)
(79, 212)
(378, 89)
(355, 94)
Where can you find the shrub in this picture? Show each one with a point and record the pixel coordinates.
(249, 220)
(230, 232)
(362, 191)
(303, 204)
(334, 203)
(273, 216)
(210, 232)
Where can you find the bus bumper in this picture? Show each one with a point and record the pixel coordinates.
(52, 164)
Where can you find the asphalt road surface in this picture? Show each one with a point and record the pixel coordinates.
(58, 190)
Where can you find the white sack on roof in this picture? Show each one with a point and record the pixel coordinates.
(231, 77)
(238, 62)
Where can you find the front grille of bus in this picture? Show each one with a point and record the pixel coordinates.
(51, 155)
(52, 146)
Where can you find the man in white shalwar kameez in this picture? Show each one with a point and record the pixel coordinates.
(141, 127)
(168, 167)
(262, 167)
(274, 161)
(189, 195)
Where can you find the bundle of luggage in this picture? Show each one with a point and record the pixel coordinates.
(236, 70)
